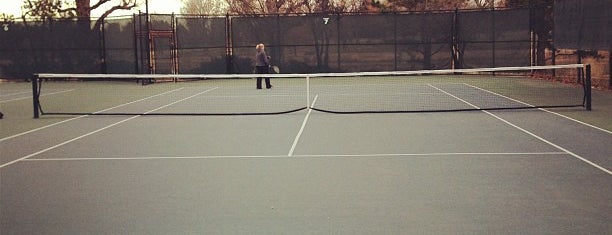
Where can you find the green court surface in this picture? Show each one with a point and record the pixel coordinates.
(533, 171)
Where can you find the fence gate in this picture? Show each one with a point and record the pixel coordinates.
(156, 44)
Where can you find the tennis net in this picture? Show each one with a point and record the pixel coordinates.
(341, 93)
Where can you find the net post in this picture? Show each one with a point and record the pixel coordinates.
(307, 91)
(587, 87)
(35, 95)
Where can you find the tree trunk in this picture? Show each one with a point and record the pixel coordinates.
(83, 8)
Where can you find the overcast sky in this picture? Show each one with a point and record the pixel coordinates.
(155, 6)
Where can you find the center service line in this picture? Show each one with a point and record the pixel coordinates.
(297, 137)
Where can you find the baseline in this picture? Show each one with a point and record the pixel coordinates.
(293, 156)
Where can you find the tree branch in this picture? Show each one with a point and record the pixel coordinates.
(98, 4)
(125, 6)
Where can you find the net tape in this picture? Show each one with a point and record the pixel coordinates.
(312, 75)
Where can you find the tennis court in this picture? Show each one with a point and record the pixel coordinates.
(152, 166)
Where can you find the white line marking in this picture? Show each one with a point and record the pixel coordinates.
(181, 100)
(145, 158)
(143, 99)
(96, 131)
(29, 97)
(250, 96)
(553, 144)
(574, 120)
(532, 134)
(435, 154)
(57, 123)
(299, 134)
(294, 156)
(66, 142)
(16, 93)
(545, 110)
(371, 94)
(40, 128)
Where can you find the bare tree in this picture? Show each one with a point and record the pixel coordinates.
(49, 9)
(525, 3)
(46, 9)
(336, 6)
(484, 3)
(199, 7)
(251, 7)
(419, 5)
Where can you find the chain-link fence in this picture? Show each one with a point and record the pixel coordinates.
(305, 43)
(28, 47)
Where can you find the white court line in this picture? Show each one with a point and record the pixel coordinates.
(545, 110)
(532, 134)
(248, 96)
(294, 156)
(181, 100)
(16, 93)
(101, 129)
(299, 134)
(574, 120)
(57, 123)
(65, 142)
(370, 94)
(46, 94)
(391, 84)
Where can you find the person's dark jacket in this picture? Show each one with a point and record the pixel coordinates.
(262, 59)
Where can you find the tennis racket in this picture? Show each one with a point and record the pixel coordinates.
(274, 69)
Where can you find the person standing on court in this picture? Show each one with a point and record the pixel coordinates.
(262, 65)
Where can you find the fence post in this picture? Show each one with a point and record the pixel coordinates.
(135, 36)
(103, 48)
(493, 39)
(279, 47)
(455, 50)
(228, 45)
(174, 50)
(339, 40)
(531, 36)
(395, 40)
